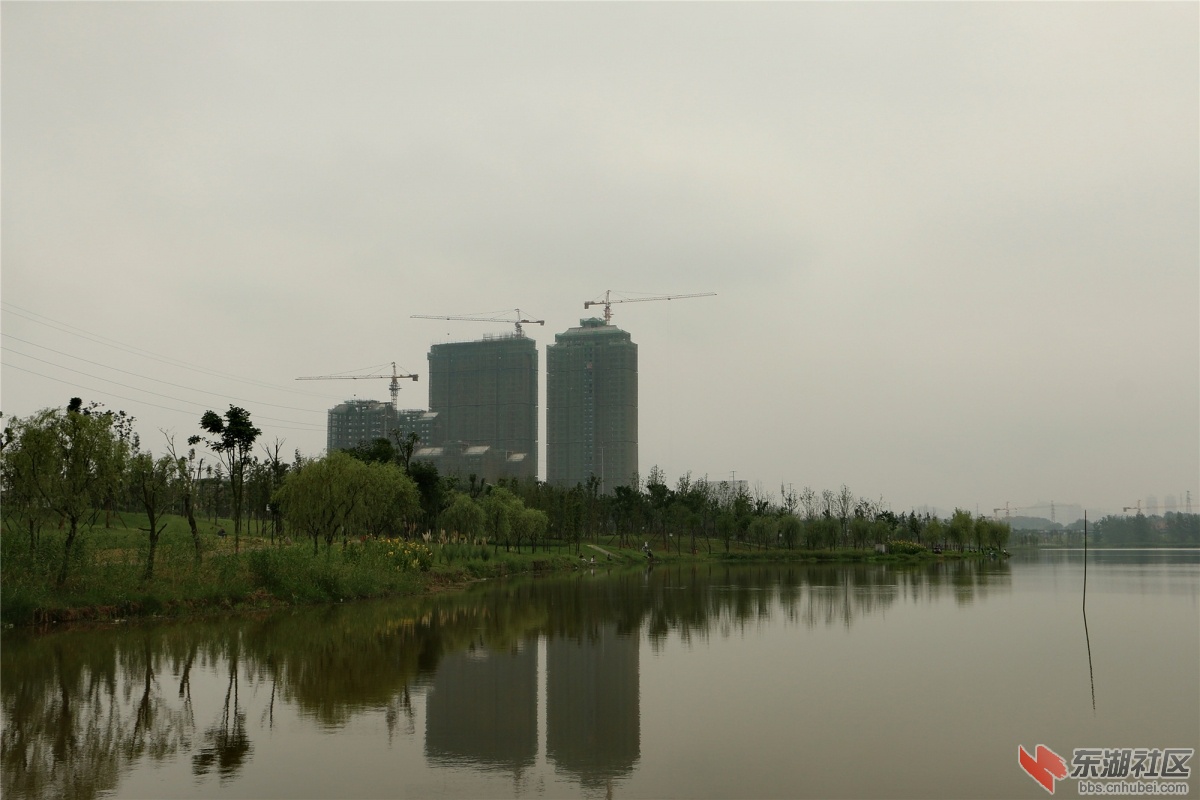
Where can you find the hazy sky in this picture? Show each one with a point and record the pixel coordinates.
(956, 247)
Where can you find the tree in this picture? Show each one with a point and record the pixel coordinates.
(232, 439)
(464, 516)
(960, 528)
(23, 503)
(277, 469)
(379, 451)
(531, 524)
(188, 472)
(935, 532)
(71, 462)
(500, 507)
(154, 484)
(390, 500)
(790, 527)
(844, 503)
(405, 447)
(433, 490)
(323, 497)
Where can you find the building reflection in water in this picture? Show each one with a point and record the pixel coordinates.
(593, 719)
(482, 708)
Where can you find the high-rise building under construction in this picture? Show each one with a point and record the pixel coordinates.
(485, 395)
(361, 422)
(592, 406)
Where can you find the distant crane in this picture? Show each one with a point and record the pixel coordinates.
(484, 317)
(607, 302)
(394, 387)
(1137, 508)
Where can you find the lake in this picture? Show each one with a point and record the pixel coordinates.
(868, 680)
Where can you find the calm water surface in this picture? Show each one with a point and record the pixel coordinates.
(804, 681)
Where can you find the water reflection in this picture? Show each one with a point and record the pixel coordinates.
(482, 709)
(81, 709)
(592, 712)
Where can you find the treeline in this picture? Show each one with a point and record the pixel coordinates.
(1170, 530)
(67, 468)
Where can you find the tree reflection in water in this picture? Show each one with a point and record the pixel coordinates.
(81, 708)
(229, 745)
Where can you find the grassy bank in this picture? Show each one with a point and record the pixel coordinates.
(106, 579)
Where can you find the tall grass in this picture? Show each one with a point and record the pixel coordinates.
(106, 573)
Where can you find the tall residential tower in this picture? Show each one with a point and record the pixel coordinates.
(485, 396)
(592, 406)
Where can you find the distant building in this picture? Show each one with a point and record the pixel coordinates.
(483, 460)
(485, 395)
(592, 406)
(419, 421)
(357, 422)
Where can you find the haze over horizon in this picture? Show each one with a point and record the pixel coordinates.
(955, 247)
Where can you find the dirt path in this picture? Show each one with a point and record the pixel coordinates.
(602, 550)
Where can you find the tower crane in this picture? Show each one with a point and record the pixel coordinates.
(394, 387)
(484, 317)
(1137, 508)
(608, 301)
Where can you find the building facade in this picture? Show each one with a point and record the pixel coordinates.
(592, 406)
(419, 421)
(485, 395)
(356, 422)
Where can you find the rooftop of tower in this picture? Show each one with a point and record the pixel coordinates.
(592, 326)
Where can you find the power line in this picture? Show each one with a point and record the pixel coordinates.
(138, 389)
(134, 350)
(146, 377)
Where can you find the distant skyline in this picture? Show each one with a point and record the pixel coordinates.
(955, 246)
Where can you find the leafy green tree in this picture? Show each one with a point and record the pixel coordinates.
(405, 447)
(23, 504)
(726, 527)
(433, 490)
(379, 451)
(790, 527)
(232, 439)
(500, 507)
(530, 524)
(464, 516)
(276, 471)
(390, 499)
(188, 473)
(71, 462)
(935, 532)
(154, 484)
(324, 497)
(960, 528)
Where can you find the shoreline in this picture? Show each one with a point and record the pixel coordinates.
(114, 605)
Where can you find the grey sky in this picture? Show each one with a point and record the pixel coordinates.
(956, 246)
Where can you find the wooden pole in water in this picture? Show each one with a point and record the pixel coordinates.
(1086, 638)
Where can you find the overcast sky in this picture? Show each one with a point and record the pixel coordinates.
(956, 247)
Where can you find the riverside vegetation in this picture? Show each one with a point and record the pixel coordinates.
(96, 527)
